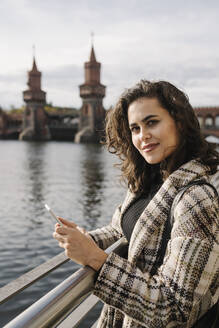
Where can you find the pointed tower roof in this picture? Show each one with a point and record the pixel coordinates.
(34, 92)
(92, 86)
(34, 67)
(92, 55)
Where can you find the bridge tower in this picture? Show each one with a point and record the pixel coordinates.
(92, 112)
(35, 118)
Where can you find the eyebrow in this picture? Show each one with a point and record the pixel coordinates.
(145, 119)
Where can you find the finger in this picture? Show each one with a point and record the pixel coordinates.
(57, 225)
(63, 230)
(59, 237)
(61, 244)
(82, 230)
(67, 222)
(56, 236)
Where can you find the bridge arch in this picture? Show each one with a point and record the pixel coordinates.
(209, 121)
(201, 120)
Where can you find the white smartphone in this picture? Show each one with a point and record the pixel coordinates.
(53, 214)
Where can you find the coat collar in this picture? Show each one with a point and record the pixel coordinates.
(192, 170)
(157, 211)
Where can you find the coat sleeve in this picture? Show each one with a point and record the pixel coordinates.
(106, 236)
(179, 292)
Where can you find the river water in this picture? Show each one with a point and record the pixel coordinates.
(78, 182)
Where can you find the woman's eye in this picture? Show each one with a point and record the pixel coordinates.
(152, 122)
(134, 129)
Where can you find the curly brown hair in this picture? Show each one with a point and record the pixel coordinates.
(135, 170)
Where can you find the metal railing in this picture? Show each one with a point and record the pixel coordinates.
(59, 307)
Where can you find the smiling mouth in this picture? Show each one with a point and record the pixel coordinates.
(150, 147)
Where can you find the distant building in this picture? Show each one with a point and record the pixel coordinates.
(10, 125)
(209, 120)
(62, 123)
(35, 125)
(92, 113)
(44, 122)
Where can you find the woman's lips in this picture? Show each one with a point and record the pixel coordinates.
(149, 147)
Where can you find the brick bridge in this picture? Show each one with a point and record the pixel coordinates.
(209, 120)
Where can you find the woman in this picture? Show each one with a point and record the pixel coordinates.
(156, 134)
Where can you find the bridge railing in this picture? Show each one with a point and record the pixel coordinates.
(60, 307)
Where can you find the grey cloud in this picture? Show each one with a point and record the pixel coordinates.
(134, 39)
(67, 71)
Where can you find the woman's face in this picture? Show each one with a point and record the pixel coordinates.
(154, 132)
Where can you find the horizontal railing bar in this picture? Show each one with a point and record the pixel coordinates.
(56, 304)
(95, 324)
(52, 308)
(27, 279)
(74, 318)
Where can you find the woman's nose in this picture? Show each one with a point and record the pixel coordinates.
(145, 134)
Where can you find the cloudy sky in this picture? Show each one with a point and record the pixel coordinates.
(153, 39)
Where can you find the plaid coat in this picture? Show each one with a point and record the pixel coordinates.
(185, 286)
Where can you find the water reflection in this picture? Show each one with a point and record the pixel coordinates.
(71, 178)
(35, 156)
(92, 172)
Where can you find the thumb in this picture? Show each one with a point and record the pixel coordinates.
(82, 230)
(67, 223)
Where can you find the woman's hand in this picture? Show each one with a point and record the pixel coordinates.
(79, 245)
(82, 230)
